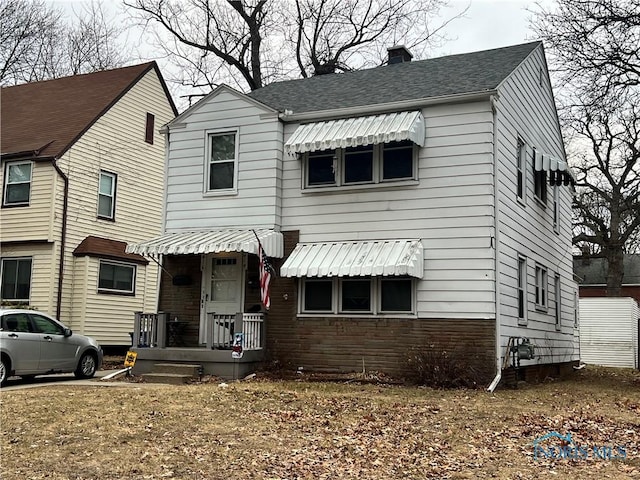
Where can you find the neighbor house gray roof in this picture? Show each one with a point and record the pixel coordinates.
(435, 77)
(593, 271)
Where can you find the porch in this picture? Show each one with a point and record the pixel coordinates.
(233, 347)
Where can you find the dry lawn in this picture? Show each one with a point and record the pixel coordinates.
(276, 429)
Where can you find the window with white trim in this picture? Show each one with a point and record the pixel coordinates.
(358, 295)
(367, 164)
(16, 279)
(116, 277)
(107, 195)
(556, 210)
(557, 293)
(522, 290)
(17, 183)
(222, 162)
(521, 164)
(541, 286)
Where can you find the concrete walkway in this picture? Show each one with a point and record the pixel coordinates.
(17, 383)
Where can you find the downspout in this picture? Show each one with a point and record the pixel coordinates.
(63, 235)
(496, 239)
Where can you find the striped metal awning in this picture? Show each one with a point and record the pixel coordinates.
(558, 168)
(355, 259)
(211, 241)
(356, 131)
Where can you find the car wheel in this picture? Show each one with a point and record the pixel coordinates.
(4, 371)
(86, 366)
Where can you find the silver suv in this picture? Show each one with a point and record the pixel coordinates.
(32, 343)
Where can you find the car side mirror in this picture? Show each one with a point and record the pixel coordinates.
(67, 332)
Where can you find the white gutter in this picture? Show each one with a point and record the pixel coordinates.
(289, 116)
(496, 239)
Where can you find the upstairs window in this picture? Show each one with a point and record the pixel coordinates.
(17, 183)
(107, 195)
(222, 162)
(521, 162)
(149, 126)
(367, 164)
(321, 168)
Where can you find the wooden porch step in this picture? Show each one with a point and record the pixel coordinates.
(173, 373)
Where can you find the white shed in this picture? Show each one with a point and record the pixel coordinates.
(609, 331)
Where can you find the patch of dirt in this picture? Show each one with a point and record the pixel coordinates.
(303, 429)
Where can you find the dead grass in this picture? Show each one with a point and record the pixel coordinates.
(284, 429)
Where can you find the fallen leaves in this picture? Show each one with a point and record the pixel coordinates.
(300, 430)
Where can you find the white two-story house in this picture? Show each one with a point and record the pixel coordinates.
(415, 204)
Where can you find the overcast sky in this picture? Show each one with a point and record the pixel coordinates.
(487, 24)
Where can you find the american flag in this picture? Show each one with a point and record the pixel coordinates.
(266, 272)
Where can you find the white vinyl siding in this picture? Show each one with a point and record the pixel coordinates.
(256, 204)
(449, 207)
(526, 112)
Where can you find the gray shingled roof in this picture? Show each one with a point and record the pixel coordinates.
(593, 271)
(450, 75)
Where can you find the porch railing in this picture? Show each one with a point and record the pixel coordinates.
(150, 330)
(222, 327)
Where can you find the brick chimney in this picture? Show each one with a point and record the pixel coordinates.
(399, 54)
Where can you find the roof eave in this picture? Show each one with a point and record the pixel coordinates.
(386, 107)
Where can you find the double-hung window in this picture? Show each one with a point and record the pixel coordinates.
(541, 287)
(366, 164)
(521, 163)
(107, 195)
(558, 295)
(358, 295)
(116, 277)
(17, 183)
(16, 279)
(222, 162)
(522, 290)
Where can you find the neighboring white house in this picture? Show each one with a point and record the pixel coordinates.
(417, 203)
(82, 175)
(609, 331)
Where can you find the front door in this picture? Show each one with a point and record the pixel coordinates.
(222, 291)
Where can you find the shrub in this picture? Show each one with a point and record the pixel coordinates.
(446, 366)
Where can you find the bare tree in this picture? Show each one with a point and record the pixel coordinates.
(38, 43)
(595, 58)
(596, 43)
(339, 35)
(263, 41)
(607, 197)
